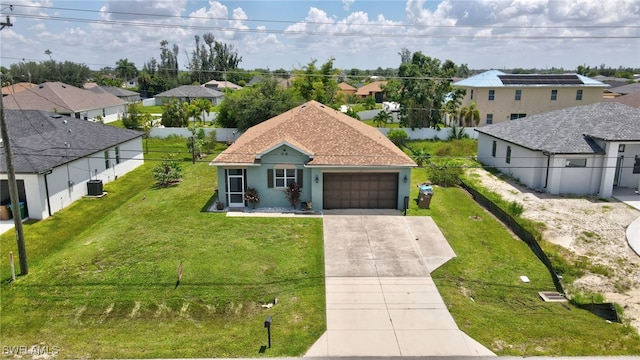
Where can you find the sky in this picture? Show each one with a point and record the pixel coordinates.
(288, 34)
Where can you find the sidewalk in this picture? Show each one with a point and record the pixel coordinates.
(631, 198)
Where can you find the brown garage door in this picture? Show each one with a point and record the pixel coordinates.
(360, 190)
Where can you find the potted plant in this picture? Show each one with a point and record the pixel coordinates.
(292, 192)
(251, 195)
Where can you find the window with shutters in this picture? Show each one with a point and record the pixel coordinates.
(280, 177)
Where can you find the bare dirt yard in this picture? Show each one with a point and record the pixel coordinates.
(587, 227)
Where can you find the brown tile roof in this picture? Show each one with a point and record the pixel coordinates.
(346, 88)
(370, 88)
(61, 98)
(632, 99)
(17, 87)
(330, 137)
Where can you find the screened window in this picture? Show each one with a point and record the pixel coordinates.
(517, 116)
(492, 95)
(106, 160)
(636, 165)
(554, 95)
(518, 95)
(493, 149)
(508, 159)
(284, 176)
(471, 94)
(578, 95)
(489, 118)
(117, 155)
(576, 163)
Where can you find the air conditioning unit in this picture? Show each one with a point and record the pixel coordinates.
(94, 187)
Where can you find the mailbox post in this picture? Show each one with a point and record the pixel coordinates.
(267, 324)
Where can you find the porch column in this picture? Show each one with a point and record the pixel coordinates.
(608, 170)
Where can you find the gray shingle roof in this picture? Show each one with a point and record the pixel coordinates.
(191, 91)
(38, 139)
(627, 89)
(571, 130)
(60, 97)
(113, 90)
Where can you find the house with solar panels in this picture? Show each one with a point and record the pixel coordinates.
(502, 97)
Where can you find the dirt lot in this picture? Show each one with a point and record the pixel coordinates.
(588, 227)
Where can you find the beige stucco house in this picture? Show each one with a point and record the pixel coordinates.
(501, 97)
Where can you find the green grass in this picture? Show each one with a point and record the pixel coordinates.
(103, 273)
(484, 294)
(154, 109)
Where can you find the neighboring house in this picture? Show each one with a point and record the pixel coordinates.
(222, 84)
(68, 100)
(346, 88)
(373, 89)
(339, 161)
(626, 89)
(501, 97)
(131, 83)
(586, 149)
(16, 88)
(54, 156)
(284, 83)
(124, 94)
(186, 93)
(632, 100)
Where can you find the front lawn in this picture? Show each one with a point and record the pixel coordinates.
(484, 293)
(103, 272)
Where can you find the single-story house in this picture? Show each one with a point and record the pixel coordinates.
(17, 87)
(373, 89)
(632, 99)
(338, 161)
(56, 156)
(124, 94)
(186, 93)
(221, 84)
(64, 99)
(586, 150)
(626, 89)
(345, 88)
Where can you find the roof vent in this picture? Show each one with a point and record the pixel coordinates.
(64, 86)
(41, 86)
(56, 116)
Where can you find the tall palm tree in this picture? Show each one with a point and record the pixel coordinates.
(126, 69)
(470, 114)
(203, 106)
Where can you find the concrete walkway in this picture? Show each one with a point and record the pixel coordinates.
(381, 300)
(631, 198)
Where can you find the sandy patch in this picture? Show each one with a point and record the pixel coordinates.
(590, 228)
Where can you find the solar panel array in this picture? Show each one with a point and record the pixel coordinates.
(554, 79)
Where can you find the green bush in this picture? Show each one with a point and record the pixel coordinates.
(445, 172)
(398, 137)
(515, 209)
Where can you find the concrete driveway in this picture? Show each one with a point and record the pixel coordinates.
(381, 300)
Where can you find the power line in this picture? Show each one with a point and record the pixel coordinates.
(368, 25)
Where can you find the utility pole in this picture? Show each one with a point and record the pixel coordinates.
(13, 186)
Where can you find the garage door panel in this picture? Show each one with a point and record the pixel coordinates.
(360, 190)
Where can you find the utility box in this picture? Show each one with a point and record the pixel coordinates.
(94, 187)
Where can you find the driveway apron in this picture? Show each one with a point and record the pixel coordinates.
(381, 300)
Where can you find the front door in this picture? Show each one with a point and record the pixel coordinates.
(235, 192)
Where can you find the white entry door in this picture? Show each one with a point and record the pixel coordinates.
(235, 193)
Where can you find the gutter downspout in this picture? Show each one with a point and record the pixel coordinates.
(46, 190)
(546, 177)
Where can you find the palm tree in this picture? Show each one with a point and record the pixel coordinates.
(126, 69)
(470, 114)
(420, 156)
(203, 106)
(382, 118)
(451, 109)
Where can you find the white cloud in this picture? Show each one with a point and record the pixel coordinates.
(347, 4)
